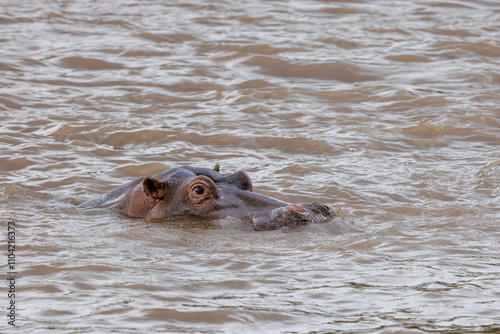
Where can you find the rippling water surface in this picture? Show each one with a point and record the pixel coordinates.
(388, 111)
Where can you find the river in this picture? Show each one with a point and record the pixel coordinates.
(387, 111)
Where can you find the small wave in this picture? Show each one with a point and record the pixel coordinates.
(338, 71)
(88, 64)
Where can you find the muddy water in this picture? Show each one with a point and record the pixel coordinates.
(388, 111)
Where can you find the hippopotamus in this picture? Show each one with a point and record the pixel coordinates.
(208, 194)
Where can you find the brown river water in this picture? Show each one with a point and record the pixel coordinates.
(387, 111)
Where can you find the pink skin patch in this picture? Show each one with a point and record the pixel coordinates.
(296, 208)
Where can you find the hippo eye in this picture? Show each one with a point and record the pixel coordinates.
(199, 190)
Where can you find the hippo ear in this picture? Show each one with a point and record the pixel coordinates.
(217, 167)
(240, 179)
(154, 188)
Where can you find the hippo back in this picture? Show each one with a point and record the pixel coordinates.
(112, 197)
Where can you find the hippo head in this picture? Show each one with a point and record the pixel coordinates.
(209, 194)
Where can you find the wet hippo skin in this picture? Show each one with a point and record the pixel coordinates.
(208, 194)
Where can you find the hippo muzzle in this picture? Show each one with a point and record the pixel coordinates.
(208, 194)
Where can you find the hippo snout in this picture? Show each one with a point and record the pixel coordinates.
(293, 215)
